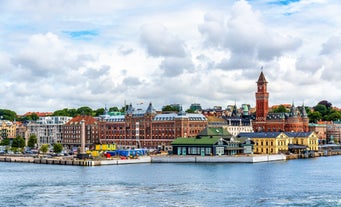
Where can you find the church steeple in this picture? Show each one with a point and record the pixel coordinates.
(262, 83)
(262, 98)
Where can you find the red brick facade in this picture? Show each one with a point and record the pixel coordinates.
(147, 129)
(294, 121)
(71, 132)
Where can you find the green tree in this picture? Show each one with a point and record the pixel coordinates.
(314, 116)
(32, 141)
(5, 142)
(72, 112)
(333, 116)
(57, 148)
(280, 109)
(84, 110)
(18, 142)
(326, 103)
(99, 112)
(322, 109)
(44, 148)
(170, 108)
(114, 109)
(63, 112)
(189, 111)
(6, 114)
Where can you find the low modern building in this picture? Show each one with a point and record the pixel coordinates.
(210, 141)
(199, 146)
(48, 129)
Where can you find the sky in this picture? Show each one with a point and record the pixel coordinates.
(57, 54)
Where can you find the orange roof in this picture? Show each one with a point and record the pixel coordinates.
(78, 119)
(285, 105)
(40, 114)
(214, 119)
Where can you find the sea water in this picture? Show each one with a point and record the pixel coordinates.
(304, 182)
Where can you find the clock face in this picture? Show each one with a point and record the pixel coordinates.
(260, 87)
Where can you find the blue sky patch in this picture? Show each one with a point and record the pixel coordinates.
(82, 34)
(284, 2)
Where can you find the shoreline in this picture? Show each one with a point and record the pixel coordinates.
(157, 159)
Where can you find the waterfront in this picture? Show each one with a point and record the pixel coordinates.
(302, 182)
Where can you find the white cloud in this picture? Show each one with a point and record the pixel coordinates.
(57, 54)
(159, 42)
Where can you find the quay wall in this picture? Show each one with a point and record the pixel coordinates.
(76, 162)
(218, 159)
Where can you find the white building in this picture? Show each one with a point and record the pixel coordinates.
(48, 129)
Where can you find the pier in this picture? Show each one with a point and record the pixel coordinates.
(161, 159)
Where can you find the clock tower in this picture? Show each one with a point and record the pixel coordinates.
(262, 97)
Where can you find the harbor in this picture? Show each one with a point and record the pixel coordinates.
(153, 159)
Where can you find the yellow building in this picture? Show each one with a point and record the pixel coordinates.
(281, 142)
(7, 129)
(308, 139)
(268, 142)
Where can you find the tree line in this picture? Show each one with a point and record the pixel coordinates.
(322, 111)
(18, 145)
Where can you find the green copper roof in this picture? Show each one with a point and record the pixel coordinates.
(196, 141)
(215, 131)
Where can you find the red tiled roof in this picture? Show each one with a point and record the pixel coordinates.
(40, 114)
(78, 119)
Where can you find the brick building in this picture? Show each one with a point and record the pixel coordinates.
(148, 129)
(71, 138)
(295, 121)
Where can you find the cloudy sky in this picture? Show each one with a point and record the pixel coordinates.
(73, 53)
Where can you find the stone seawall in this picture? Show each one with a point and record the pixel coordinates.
(76, 162)
(217, 159)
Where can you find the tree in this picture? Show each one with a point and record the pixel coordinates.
(322, 109)
(32, 141)
(57, 148)
(63, 112)
(84, 110)
(333, 116)
(18, 142)
(326, 103)
(99, 112)
(190, 111)
(114, 109)
(5, 142)
(170, 108)
(6, 114)
(280, 109)
(44, 148)
(314, 116)
(34, 116)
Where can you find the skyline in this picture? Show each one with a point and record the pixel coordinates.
(69, 54)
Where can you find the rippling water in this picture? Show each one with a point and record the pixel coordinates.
(309, 182)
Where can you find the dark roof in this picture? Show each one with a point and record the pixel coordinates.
(261, 78)
(196, 141)
(215, 131)
(259, 134)
(297, 146)
(275, 116)
(298, 134)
